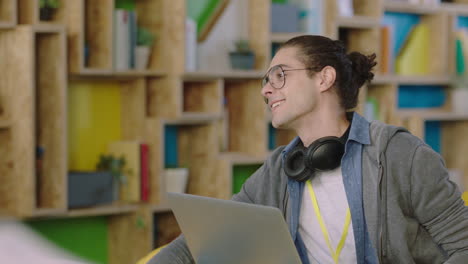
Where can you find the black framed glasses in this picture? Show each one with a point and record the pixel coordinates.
(276, 77)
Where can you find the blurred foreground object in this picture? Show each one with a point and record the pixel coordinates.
(19, 244)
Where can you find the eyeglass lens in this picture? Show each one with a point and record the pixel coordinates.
(275, 77)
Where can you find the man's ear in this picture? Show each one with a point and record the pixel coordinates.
(327, 77)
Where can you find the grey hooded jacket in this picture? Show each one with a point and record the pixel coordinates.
(414, 214)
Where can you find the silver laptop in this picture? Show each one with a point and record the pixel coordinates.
(220, 231)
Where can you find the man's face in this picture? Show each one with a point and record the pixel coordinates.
(298, 97)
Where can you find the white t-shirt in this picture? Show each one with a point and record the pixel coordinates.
(331, 198)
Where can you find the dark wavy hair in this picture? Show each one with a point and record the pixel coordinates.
(352, 70)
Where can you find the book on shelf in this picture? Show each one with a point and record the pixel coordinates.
(386, 51)
(145, 183)
(402, 25)
(461, 50)
(310, 16)
(190, 45)
(345, 8)
(414, 56)
(124, 39)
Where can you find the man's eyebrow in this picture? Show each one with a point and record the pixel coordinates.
(282, 65)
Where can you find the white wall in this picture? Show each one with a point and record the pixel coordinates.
(213, 53)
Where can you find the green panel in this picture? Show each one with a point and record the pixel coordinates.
(85, 237)
(240, 173)
(201, 11)
(125, 4)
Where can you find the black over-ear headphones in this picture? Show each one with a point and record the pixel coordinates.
(322, 155)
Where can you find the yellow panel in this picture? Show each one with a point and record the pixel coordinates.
(94, 120)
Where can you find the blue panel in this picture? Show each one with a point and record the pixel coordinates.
(432, 134)
(271, 137)
(420, 96)
(402, 24)
(462, 22)
(170, 147)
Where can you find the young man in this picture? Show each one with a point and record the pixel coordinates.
(351, 191)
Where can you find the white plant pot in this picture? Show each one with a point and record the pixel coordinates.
(176, 179)
(142, 54)
(459, 100)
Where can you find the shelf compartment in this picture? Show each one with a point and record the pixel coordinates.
(90, 36)
(202, 97)
(158, 18)
(166, 229)
(98, 34)
(8, 13)
(409, 34)
(198, 151)
(37, 116)
(50, 117)
(247, 114)
(135, 229)
(29, 13)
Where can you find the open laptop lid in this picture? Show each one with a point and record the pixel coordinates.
(228, 232)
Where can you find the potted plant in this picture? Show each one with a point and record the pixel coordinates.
(116, 168)
(91, 188)
(145, 39)
(243, 58)
(176, 178)
(47, 9)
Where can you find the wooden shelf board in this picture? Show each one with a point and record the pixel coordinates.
(402, 7)
(48, 212)
(283, 37)
(188, 118)
(457, 9)
(434, 115)
(227, 75)
(48, 28)
(236, 158)
(358, 22)
(161, 208)
(411, 80)
(105, 74)
(102, 210)
(4, 124)
(6, 25)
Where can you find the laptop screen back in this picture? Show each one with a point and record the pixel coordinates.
(221, 231)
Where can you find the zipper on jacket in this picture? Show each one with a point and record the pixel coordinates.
(285, 202)
(382, 214)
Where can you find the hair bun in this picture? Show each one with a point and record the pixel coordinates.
(362, 66)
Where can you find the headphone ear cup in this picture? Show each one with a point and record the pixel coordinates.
(294, 165)
(324, 154)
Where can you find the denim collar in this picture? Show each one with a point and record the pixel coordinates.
(359, 132)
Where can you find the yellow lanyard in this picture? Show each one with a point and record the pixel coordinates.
(335, 254)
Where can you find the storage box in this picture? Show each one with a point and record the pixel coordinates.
(90, 188)
(284, 18)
